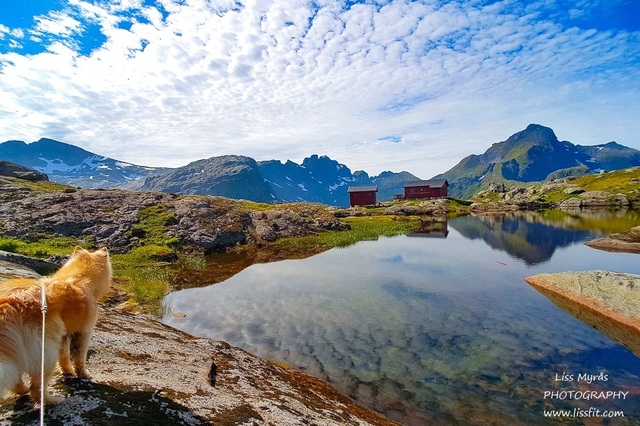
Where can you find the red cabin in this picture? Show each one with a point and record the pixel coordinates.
(434, 188)
(362, 195)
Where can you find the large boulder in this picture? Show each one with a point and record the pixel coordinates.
(608, 301)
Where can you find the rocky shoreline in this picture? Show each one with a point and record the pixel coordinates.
(145, 372)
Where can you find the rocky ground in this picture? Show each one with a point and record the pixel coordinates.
(146, 373)
(608, 301)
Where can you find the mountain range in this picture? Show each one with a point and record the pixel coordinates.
(71, 165)
(531, 155)
(318, 179)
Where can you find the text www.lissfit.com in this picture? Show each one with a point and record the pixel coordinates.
(580, 412)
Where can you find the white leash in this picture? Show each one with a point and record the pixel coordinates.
(42, 381)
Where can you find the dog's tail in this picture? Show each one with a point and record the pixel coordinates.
(18, 342)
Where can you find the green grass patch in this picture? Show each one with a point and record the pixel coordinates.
(623, 181)
(45, 246)
(42, 186)
(259, 207)
(626, 182)
(145, 280)
(10, 244)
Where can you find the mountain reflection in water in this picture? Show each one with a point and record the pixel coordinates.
(430, 330)
(534, 237)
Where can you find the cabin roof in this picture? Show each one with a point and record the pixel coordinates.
(370, 188)
(432, 182)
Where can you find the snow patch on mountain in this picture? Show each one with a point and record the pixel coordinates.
(57, 165)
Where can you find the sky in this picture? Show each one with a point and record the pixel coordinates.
(376, 85)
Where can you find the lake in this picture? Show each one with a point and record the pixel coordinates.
(437, 327)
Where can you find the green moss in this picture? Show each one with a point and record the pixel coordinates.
(152, 225)
(145, 280)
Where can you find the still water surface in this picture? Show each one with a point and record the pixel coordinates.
(437, 329)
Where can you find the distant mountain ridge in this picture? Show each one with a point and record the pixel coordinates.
(323, 180)
(318, 179)
(71, 165)
(231, 176)
(531, 155)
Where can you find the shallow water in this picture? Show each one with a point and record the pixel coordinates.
(432, 330)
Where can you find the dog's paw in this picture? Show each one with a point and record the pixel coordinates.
(67, 372)
(66, 369)
(48, 398)
(53, 399)
(84, 374)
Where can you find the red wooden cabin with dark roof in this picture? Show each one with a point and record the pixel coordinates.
(434, 188)
(362, 195)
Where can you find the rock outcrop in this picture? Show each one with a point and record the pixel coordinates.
(608, 301)
(427, 207)
(594, 199)
(10, 169)
(43, 267)
(147, 373)
(112, 217)
(628, 242)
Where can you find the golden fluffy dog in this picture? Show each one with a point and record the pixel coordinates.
(72, 297)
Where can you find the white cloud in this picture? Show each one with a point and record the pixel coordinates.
(281, 80)
(56, 23)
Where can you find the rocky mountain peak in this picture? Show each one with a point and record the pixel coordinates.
(535, 133)
(534, 155)
(326, 166)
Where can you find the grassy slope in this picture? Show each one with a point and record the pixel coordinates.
(625, 182)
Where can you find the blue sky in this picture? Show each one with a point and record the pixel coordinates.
(377, 85)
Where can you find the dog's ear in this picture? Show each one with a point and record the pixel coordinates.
(78, 250)
(103, 251)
